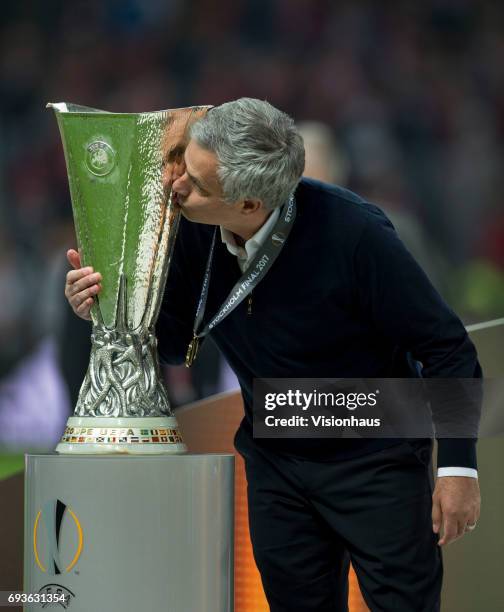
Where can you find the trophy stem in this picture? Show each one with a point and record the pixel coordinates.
(123, 378)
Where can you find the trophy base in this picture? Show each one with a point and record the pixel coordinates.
(137, 533)
(124, 435)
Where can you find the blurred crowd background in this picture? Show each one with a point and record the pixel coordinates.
(401, 101)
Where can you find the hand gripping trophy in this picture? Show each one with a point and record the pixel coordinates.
(126, 227)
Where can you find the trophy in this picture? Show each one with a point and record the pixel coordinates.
(126, 226)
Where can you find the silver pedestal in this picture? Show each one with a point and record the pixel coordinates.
(130, 534)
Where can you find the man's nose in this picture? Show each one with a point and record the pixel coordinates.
(181, 185)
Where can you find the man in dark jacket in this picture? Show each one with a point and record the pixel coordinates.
(321, 287)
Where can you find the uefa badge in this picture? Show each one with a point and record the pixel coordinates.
(100, 158)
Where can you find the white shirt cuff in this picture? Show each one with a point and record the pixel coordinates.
(457, 471)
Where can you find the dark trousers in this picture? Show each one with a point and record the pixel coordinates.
(308, 519)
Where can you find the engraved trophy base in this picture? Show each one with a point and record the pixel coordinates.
(123, 435)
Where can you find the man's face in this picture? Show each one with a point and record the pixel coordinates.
(196, 189)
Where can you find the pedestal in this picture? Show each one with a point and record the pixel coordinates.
(130, 533)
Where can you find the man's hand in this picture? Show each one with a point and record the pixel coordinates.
(455, 506)
(82, 284)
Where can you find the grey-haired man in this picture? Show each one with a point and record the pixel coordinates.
(342, 299)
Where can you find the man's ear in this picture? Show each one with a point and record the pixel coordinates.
(250, 206)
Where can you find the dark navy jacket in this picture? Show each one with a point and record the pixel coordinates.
(344, 299)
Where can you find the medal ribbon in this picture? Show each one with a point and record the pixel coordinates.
(257, 270)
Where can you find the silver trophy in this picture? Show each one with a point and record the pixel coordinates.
(119, 167)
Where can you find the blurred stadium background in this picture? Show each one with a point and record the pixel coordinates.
(401, 101)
